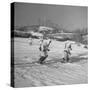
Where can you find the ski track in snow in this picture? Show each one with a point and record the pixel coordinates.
(28, 73)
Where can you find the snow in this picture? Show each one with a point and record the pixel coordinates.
(44, 28)
(29, 73)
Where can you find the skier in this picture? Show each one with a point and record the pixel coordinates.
(44, 48)
(67, 52)
(30, 40)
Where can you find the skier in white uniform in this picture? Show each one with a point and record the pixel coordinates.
(44, 48)
(67, 52)
(30, 41)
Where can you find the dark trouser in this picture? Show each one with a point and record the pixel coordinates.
(42, 58)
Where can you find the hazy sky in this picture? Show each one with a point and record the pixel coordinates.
(69, 17)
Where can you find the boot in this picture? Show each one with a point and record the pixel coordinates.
(41, 60)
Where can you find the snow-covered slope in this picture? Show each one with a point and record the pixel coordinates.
(53, 72)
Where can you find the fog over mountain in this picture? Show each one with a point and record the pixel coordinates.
(68, 17)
